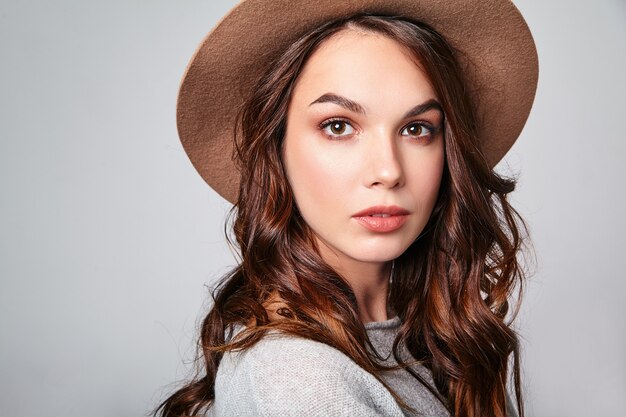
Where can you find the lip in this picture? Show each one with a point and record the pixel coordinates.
(396, 217)
(391, 210)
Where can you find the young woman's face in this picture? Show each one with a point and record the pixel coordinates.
(364, 132)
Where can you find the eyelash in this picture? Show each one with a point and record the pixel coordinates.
(431, 129)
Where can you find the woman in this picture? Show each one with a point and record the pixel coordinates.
(378, 249)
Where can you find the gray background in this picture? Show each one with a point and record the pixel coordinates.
(108, 237)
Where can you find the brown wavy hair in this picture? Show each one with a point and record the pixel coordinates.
(451, 287)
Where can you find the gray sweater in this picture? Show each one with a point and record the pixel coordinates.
(288, 376)
(283, 375)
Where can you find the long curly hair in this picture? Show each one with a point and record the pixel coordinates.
(451, 288)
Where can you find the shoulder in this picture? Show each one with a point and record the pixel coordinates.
(286, 375)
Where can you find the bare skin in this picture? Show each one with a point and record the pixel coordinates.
(369, 281)
(342, 159)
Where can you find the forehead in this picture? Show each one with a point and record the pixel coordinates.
(364, 65)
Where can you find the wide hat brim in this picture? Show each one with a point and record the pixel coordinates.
(496, 48)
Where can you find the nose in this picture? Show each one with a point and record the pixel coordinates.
(384, 162)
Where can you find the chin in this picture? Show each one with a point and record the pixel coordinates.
(377, 249)
(379, 253)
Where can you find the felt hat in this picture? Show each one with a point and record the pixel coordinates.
(491, 34)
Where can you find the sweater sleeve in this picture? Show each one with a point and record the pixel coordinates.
(289, 376)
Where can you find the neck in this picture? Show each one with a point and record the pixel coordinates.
(369, 281)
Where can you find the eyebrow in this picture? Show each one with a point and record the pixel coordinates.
(355, 107)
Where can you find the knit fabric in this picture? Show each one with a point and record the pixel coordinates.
(285, 376)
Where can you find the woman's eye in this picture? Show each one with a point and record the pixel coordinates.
(417, 130)
(337, 128)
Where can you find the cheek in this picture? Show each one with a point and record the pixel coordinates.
(427, 176)
(313, 176)
(433, 179)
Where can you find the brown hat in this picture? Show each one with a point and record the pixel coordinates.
(492, 34)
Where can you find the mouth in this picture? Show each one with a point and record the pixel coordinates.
(382, 211)
(382, 219)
